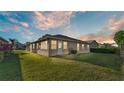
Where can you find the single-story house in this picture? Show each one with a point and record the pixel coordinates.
(93, 43)
(52, 45)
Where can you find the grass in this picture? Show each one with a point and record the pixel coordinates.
(28, 66)
(36, 67)
(1, 56)
(106, 60)
(10, 68)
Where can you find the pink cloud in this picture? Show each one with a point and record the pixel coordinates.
(16, 28)
(114, 24)
(106, 35)
(98, 37)
(46, 21)
(11, 28)
(27, 32)
(12, 20)
(24, 24)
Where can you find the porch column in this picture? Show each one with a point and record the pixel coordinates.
(49, 47)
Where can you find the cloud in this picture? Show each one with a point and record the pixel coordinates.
(71, 32)
(5, 28)
(12, 20)
(106, 34)
(49, 20)
(15, 21)
(24, 24)
(114, 24)
(27, 32)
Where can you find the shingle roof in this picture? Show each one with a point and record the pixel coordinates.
(59, 37)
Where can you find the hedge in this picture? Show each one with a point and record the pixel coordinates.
(105, 50)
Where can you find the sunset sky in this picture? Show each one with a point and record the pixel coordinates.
(84, 25)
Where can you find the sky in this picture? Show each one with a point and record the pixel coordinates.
(84, 25)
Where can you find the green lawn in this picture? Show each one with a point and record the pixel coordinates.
(106, 60)
(35, 67)
(10, 68)
(1, 56)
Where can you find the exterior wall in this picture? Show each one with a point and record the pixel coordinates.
(84, 48)
(54, 52)
(35, 47)
(41, 51)
(70, 46)
(65, 51)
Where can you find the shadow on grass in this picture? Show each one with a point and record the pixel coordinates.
(10, 68)
(23, 53)
(105, 60)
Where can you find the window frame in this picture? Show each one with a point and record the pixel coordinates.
(44, 45)
(83, 46)
(65, 42)
(53, 44)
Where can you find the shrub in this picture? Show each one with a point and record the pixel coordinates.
(105, 50)
(73, 52)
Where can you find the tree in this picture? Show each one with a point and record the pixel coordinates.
(13, 42)
(119, 37)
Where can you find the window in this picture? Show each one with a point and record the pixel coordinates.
(82, 46)
(64, 45)
(88, 46)
(43, 45)
(33, 46)
(78, 47)
(53, 44)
